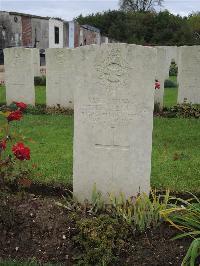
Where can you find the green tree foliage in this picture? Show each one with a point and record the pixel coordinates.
(146, 28)
(139, 5)
(194, 22)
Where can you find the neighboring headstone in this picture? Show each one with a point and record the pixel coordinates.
(60, 77)
(36, 61)
(171, 55)
(19, 75)
(113, 120)
(160, 75)
(189, 74)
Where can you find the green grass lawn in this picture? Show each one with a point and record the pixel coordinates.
(175, 156)
(40, 94)
(51, 145)
(170, 95)
(2, 94)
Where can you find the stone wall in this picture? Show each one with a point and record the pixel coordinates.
(40, 33)
(11, 35)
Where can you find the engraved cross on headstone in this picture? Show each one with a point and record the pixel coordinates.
(114, 146)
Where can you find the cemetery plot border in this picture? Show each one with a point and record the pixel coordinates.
(42, 230)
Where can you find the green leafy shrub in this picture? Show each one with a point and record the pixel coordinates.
(173, 71)
(36, 110)
(43, 109)
(185, 110)
(170, 84)
(102, 230)
(100, 238)
(40, 81)
(40, 109)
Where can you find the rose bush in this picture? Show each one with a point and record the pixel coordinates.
(22, 106)
(15, 115)
(21, 152)
(9, 161)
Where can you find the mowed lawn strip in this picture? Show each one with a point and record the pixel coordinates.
(40, 94)
(170, 97)
(171, 94)
(175, 154)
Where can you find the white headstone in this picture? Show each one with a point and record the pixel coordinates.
(172, 55)
(189, 74)
(160, 75)
(60, 77)
(19, 75)
(113, 119)
(36, 61)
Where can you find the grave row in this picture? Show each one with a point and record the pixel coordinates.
(21, 65)
(111, 88)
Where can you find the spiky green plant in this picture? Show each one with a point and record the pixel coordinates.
(142, 211)
(192, 253)
(186, 218)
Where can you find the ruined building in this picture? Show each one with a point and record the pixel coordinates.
(18, 29)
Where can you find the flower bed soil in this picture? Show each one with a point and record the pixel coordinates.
(34, 227)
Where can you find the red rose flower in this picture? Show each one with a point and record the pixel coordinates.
(157, 85)
(15, 115)
(21, 152)
(2, 145)
(22, 106)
